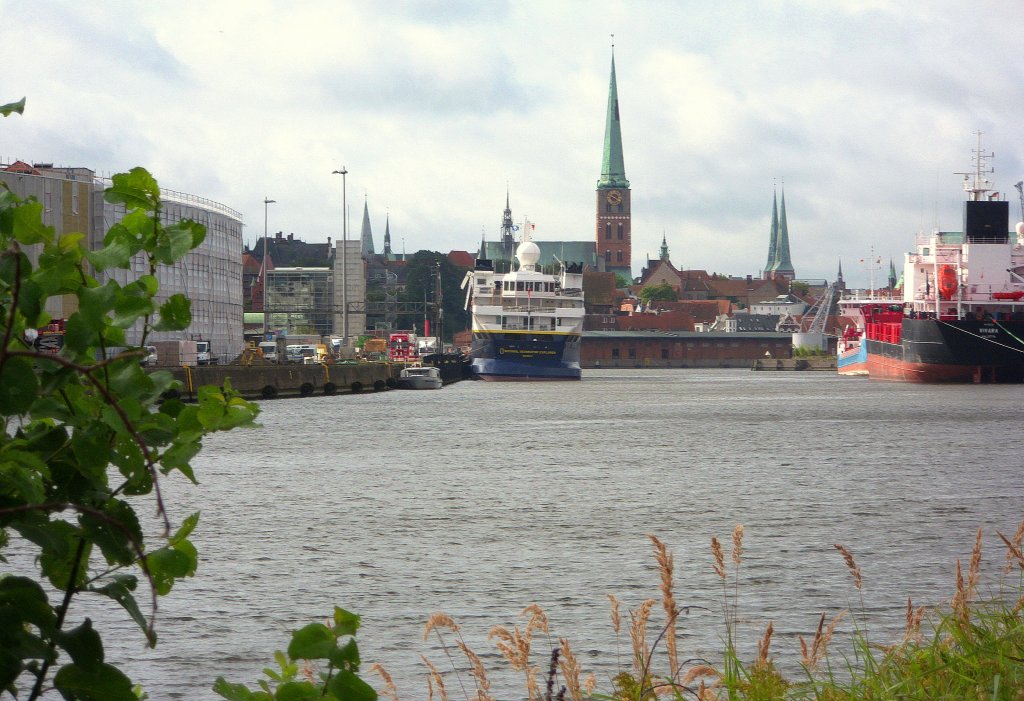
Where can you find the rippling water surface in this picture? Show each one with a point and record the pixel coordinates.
(482, 498)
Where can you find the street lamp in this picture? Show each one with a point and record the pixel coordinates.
(344, 256)
(266, 319)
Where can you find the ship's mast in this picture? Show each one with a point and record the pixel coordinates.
(979, 184)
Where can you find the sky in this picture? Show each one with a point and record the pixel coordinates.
(863, 110)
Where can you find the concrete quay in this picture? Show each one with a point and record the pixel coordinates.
(268, 381)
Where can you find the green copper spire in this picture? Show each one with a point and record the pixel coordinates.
(773, 237)
(613, 172)
(366, 235)
(783, 266)
(664, 248)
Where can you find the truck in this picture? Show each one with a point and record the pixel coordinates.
(204, 353)
(402, 347)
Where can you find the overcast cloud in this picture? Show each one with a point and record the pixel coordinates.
(864, 108)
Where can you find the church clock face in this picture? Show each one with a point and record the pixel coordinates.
(614, 197)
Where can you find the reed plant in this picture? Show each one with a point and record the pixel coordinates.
(968, 648)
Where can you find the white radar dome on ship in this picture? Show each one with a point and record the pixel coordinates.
(528, 253)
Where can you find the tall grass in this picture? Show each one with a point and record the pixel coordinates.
(970, 648)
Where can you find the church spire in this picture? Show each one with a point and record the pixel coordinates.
(387, 236)
(366, 235)
(783, 266)
(613, 171)
(773, 237)
(508, 243)
(664, 248)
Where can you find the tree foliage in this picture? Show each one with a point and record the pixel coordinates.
(661, 292)
(420, 285)
(88, 440)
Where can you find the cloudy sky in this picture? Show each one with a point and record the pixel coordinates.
(865, 109)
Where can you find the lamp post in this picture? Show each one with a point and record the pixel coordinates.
(344, 256)
(266, 319)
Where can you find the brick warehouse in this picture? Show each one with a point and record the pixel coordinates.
(680, 349)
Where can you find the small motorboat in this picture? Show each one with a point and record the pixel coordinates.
(421, 377)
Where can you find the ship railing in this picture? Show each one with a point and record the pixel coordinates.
(570, 292)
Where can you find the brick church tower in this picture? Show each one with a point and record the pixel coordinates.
(613, 241)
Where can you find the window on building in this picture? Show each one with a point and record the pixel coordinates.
(620, 232)
(620, 207)
(632, 353)
(615, 353)
(607, 256)
(618, 256)
(608, 231)
(664, 353)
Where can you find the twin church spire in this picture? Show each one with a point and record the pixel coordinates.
(779, 264)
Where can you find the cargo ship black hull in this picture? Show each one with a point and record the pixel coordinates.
(955, 350)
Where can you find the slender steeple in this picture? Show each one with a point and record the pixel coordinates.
(508, 243)
(892, 275)
(613, 231)
(387, 237)
(773, 238)
(664, 248)
(613, 171)
(783, 266)
(366, 236)
(840, 283)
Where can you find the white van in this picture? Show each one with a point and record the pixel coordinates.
(269, 350)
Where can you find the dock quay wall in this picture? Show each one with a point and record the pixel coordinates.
(268, 381)
(795, 364)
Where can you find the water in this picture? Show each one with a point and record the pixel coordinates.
(482, 498)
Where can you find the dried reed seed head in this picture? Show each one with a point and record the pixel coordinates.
(698, 671)
(764, 644)
(851, 565)
(438, 680)
(616, 618)
(805, 655)
(975, 568)
(737, 543)
(570, 670)
(638, 632)
(439, 620)
(390, 690)
(538, 619)
(477, 670)
(1013, 552)
(830, 631)
(716, 550)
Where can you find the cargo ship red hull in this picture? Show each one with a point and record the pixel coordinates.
(953, 350)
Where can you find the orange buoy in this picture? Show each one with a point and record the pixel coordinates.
(947, 281)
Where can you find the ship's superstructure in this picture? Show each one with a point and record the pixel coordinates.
(526, 323)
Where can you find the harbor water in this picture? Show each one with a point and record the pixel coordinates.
(482, 498)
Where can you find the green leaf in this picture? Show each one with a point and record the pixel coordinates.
(346, 656)
(101, 682)
(83, 644)
(27, 224)
(136, 189)
(345, 622)
(186, 528)
(114, 534)
(175, 314)
(24, 600)
(120, 590)
(297, 691)
(117, 253)
(22, 474)
(12, 107)
(348, 686)
(178, 239)
(313, 642)
(232, 692)
(167, 564)
(19, 386)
